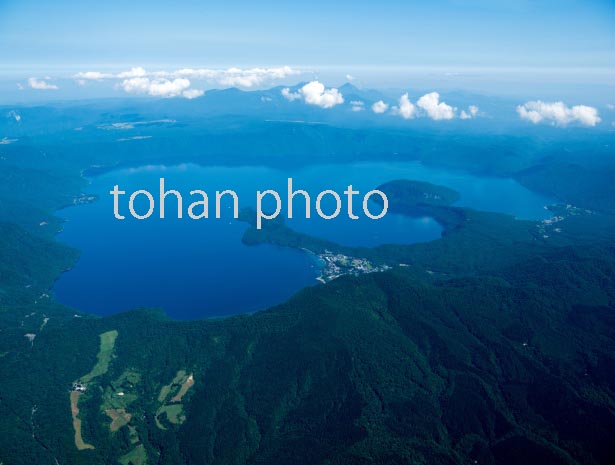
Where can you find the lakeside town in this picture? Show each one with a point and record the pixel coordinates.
(336, 265)
(560, 213)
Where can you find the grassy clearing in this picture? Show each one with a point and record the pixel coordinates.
(133, 434)
(105, 353)
(179, 379)
(119, 418)
(164, 392)
(136, 456)
(174, 413)
(79, 442)
(121, 392)
(187, 384)
(172, 408)
(117, 397)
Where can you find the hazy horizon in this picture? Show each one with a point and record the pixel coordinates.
(544, 49)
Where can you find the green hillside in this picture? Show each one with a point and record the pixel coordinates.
(494, 344)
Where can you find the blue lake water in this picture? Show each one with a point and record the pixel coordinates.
(199, 268)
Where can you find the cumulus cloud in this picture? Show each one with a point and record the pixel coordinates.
(405, 108)
(41, 84)
(133, 73)
(315, 93)
(471, 113)
(436, 110)
(290, 96)
(165, 88)
(610, 106)
(558, 114)
(428, 106)
(350, 77)
(380, 107)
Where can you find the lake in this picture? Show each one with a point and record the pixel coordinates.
(200, 268)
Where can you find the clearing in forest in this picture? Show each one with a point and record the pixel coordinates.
(137, 456)
(105, 354)
(74, 409)
(172, 408)
(119, 417)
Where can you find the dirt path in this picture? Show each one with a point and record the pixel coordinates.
(74, 409)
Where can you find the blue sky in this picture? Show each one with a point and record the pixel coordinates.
(571, 41)
(519, 33)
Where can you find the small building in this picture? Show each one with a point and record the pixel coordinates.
(79, 387)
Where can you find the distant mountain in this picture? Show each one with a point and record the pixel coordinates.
(352, 92)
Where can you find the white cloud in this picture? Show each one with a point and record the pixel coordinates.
(436, 110)
(231, 77)
(251, 77)
(133, 73)
(471, 113)
(193, 93)
(290, 96)
(380, 107)
(92, 76)
(315, 93)
(41, 84)
(357, 105)
(255, 76)
(350, 77)
(558, 114)
(165, 88)
(610, 106)
(429, 105)
(406, 108)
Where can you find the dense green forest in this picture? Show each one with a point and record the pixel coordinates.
(514, 367)
(493, 345)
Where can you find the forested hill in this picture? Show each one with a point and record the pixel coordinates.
(512, 368)
(492, 345)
